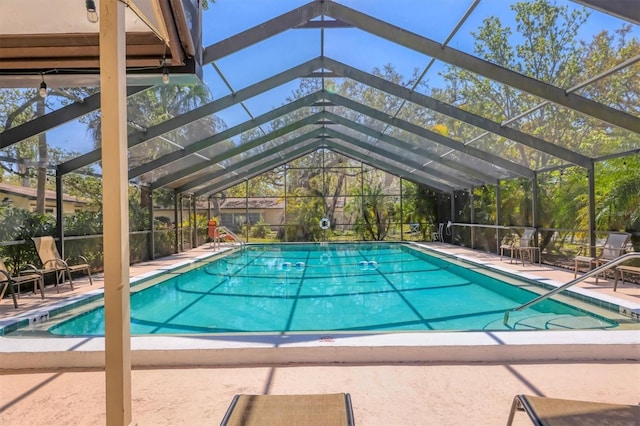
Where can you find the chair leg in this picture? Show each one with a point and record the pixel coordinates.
(9, 285)
(41, 282)
(70, 279)
(515, 406)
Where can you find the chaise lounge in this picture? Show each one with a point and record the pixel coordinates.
(613, 247)
(8, 281)
(562, 412)
(527, 247)
(52, 262)
(280, 410)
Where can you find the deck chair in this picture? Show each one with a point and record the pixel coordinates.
(613, 247)
(52, 262)
(562, 412)
(507, 243)
(279, 410)
(437, 235)
(7, 281)
(527, 246)
(414, 229)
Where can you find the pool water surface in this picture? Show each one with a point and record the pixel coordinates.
(338, 287)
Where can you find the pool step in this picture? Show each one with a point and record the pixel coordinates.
(550, 322)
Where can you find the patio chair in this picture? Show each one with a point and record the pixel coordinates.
(52, 262)
(414, 229)
(8, 281)
(613, 247)
(437, 235)
(279, 410)
(552, 411)
(508, 243)
(527, 246)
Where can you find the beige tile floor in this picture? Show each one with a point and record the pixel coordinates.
(402, 394)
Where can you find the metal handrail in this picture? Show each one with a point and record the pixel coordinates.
(235, 237)
(605, 267)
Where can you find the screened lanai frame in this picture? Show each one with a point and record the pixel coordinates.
(196, 166)
(321, 17)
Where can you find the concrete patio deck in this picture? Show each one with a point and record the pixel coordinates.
(442, 393)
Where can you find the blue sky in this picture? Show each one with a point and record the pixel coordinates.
(429, 18)
(433, 19)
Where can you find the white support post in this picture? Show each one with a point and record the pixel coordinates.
(116, 212)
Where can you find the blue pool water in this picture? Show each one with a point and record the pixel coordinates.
(340, 287)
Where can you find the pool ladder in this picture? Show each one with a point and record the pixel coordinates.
(233, 235)
(593, 272)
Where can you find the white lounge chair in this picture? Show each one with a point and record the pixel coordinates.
(613, 247)
(527, 246)
(437, 235)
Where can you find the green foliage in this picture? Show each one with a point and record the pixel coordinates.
(374, 212)
(83, 223)
(260, 230)
(16, 225)
(420, 206)
(304, 211)
(619, 200)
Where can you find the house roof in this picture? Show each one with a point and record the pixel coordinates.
(253, 203)
(31, 193)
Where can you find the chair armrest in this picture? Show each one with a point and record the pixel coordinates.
(507, 241)
(55, 261)
(30, 269)
(84, 259)
(584, 249)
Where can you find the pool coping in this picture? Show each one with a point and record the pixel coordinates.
(621, 306)
(18, 353)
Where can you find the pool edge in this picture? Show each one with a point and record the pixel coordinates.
(307, 349)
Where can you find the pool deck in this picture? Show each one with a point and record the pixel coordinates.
(461, 386)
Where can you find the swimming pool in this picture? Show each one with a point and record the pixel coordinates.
(340, 288)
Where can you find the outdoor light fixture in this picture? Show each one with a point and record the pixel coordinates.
(165, 74)
(92, 14)
(43, 89)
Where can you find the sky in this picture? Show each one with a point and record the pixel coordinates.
(433, 19)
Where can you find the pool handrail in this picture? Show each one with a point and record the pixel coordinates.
(233, 235)
(596, 271)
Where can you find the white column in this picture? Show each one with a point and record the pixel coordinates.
(116, 213)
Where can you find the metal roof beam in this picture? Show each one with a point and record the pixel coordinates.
(457, 113)
(227, 183)
(412, 148)
(242, 163)
(482, 67)
(137, 138)
(219, 137)
(184, 172)
(324, 24)
(336, 146)
(57, 118)
(294, 18)
(432, 136)
(629, 10)
(399, 159)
